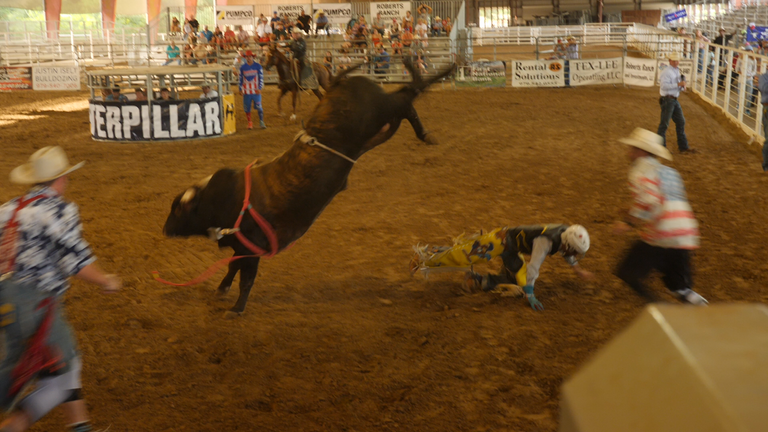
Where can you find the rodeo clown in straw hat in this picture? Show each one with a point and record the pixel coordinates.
(660, 211)
(41, 247)
(671, 83)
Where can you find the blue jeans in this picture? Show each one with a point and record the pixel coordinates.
(671, 110)
(765, 134)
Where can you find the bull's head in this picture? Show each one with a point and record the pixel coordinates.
(185, 220)
(356, 114)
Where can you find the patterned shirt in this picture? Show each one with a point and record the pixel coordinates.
(251, 78)
(50, 247)
(660, 200)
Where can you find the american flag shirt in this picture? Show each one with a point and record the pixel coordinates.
(49, 247)
(251, 78)
(661, 202)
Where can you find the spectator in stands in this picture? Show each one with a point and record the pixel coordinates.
(422, 32)
(187, 29)
(208, 93)
(711, 65)
(208, 34)
(140, 95)
(407, 38)
(189, 54)
(447, 26)
(408, 25)
(425, 13)
(700, 36)
(212, 53)
(165, 94)
(242, 37)
(376, 38)
(379, 24)
(274, 21)
(560, 50)
(218, 35)
(397, 47)
(363, 23)
(437, 26)
(201, 37)
(328, 61)
(360, 42)
(344, 60)
(115, 96)
(201, 52)
(763, 86)
(723, 39)
(280, 31)
(194, 24)
(572, 48)
(381, 60)
(408, 20)
(322, 22)
(175, 25)
(229, 37)
(304, 22)
(747, 65)
(394, 31)
(174, 53)
(421, 62)
(263, 30)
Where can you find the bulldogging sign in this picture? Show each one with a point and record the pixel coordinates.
(167, 120)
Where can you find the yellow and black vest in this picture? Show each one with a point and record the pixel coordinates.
(520, 239)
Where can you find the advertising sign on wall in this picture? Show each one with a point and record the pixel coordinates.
(168, 120)
(685, 66)
(337, 13)
(234, 15)
(56, 78)
(15, 78)
(390, 10)
(596, 71)
(228, 102)
(538, 73)
(483, 74)
(639, 72)
(291, 10)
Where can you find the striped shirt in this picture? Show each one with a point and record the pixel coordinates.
(49, 247)
(661, 202)
(251, 78)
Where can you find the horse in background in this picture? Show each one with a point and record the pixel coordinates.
(287, 82)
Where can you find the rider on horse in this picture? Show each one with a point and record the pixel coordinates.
(305, 75)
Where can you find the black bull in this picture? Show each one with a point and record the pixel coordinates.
(291, 191)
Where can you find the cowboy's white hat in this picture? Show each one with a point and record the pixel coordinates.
(46, 164)
(673, 56)
(320, 11)
(646, 140)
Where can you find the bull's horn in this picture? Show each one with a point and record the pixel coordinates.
(204, 182)
(188, 195)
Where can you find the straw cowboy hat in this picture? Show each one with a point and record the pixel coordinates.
(46, 164)
(647, 141)
(673, 56)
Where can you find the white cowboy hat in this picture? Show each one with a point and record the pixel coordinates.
(673, 56)
(648, 141)
(46, 164)
(320, 11)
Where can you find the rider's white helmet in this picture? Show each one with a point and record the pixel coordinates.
(576, 237)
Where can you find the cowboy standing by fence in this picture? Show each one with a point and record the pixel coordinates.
(41, 247)
(671, 83)
(251, 83)
(660, 211)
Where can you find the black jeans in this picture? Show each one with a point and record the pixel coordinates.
(642, 258)
(671, 110)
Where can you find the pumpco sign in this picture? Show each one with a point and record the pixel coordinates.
(234, 15)
(167, 120)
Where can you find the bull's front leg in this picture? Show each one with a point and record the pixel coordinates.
(248, 269)
(226, 283)
(421, 133)
(294, 94)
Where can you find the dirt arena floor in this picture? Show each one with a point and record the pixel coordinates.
(338, 336)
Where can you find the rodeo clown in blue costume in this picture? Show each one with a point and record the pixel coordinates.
(538, 241)
(251, 84)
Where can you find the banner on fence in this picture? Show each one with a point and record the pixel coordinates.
(337, 13)
(639, 72)
(234, 15)
(15, 78)
(674, 16)
(538, 73)
(56, 78)
(169, 120)
(597, 71)
(228, 102)
(685, 66)
(291, 10)
(391, 9)
(757, 34)
(483, 74)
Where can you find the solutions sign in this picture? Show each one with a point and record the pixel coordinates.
(168, 120)
(597, 71)
(538, 73)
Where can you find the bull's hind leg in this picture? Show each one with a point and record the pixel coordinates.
(248, 269)
(226, 283)
(421, 133)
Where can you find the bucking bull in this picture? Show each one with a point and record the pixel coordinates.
(290, 192)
